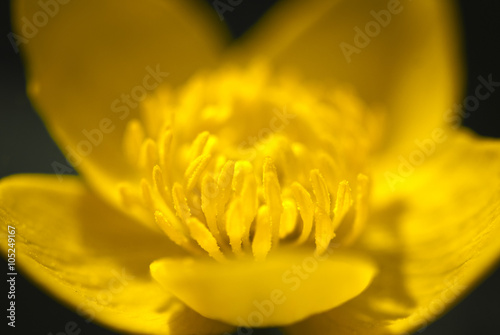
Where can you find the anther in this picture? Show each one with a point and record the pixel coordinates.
(272, 197)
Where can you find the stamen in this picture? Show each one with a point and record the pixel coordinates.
(361, 209)
(245, 187)
(330, 168)
(208, 205)
(288, 221)
(342, 204)
(174, 234)
(224, 193)
(180, 202)
(306, 210)
(195, 170)
(320, 190)
(153, 118)
(241, 170)
(324, 231)
(132, 140)
(205, 239)
(272, 197)
(148, 156)
(146, 194)
(160, 186)
(261, 244)
(198, 146)
(235, 227)
(165, 151)
(207, 197)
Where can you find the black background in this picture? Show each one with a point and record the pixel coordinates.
(25, 146)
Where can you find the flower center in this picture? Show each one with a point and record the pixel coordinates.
(239, 163)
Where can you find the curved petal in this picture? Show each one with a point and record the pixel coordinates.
(92, 257)
(283, 289)
(90, 63)
(402, 54)
(436, 238)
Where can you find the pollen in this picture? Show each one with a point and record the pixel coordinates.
(241, 162)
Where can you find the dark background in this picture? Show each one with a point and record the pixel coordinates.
(25, 146)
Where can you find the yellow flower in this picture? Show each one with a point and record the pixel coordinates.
(309, 177)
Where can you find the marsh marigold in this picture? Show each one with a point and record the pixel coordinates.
(304, 177)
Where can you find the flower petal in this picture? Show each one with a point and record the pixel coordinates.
(92, 257)
(435, 240)
(407, 57)
(283, 289)
(93, 61)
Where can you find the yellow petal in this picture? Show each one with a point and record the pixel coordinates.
(94, 61)
(434, 240)
(407, 57)
(91, 257)
(283, 289)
